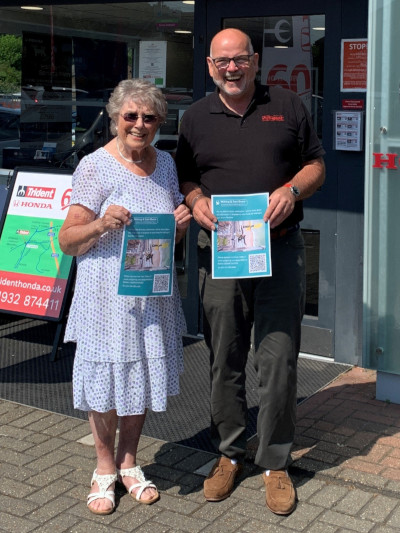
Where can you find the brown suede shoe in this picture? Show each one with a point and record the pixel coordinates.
(219, 482)
(280, 495)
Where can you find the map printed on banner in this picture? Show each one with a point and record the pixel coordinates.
(34, 271)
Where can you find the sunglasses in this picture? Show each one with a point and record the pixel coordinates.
(133, 117)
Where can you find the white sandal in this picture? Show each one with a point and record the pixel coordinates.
(103, 482)
(137, 473)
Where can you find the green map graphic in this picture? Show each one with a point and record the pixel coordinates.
(29, 245)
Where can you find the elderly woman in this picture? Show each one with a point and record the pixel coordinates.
(128, 349)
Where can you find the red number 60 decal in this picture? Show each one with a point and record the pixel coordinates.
(275, 77)
(66, 199)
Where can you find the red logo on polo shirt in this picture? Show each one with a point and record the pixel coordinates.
(273, 118)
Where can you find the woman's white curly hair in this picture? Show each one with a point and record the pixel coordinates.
(139, 91)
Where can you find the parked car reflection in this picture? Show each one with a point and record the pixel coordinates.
(56, 126)
(27, 138)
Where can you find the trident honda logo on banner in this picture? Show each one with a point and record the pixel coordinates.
(286, 59)
(34, 272)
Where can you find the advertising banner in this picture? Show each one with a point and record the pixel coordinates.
(34, 272)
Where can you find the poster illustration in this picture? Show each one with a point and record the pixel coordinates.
(147, 256)
(241, 243)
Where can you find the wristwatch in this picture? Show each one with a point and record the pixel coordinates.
(293, 189)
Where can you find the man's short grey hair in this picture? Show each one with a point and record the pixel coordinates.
(139, 91)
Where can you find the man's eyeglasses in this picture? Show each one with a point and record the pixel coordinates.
(240, 61)
(133, 117)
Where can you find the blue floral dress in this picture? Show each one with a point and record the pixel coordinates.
(129, 350)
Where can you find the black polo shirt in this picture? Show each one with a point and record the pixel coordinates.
(228, 154)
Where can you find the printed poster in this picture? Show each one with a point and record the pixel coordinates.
(147, 256)
(153, 62)
(354, 58)
(241, 243)
(348, 130)
(34, 271)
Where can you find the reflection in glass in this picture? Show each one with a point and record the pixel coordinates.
(62, 64)
(291, 50)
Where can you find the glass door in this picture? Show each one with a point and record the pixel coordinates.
(292, 56)
(292, 42)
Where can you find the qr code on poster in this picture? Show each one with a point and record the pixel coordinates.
(161, 283)
(257, 263)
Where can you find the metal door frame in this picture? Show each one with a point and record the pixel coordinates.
(339, 219)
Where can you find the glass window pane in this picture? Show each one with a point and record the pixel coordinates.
(60, 63)
(291, 50)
